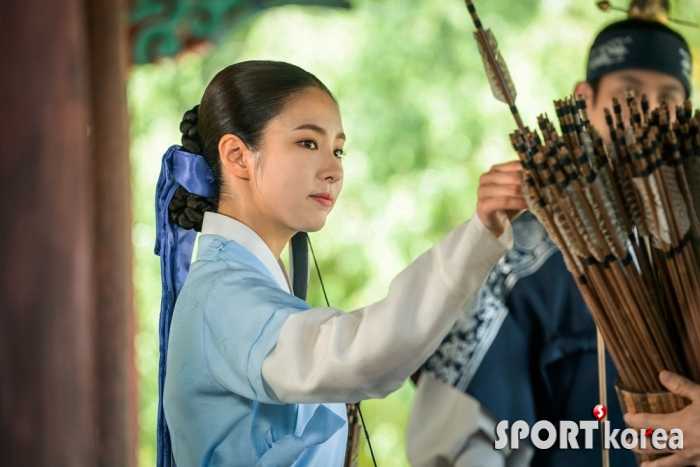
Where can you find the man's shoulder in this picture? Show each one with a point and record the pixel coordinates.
(528, 232)
(531, 250)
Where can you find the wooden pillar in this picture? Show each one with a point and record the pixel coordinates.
(47, 299)
(116, 374)
(67, 377)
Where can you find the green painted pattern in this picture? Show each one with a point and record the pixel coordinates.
(162, 28)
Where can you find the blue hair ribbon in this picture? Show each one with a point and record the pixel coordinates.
(174, 245)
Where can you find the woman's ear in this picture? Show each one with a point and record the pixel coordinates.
(236, 157)
(585, 89)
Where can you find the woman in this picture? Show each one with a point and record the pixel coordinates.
(254, 375)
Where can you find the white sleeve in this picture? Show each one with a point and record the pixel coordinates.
(324, 354)
(450, 428)
(441, 422)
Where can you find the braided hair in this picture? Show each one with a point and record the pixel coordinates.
(187, 209)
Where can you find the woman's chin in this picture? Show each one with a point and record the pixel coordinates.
(311, 226)
(311, 229)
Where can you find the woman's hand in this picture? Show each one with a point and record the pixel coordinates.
(500, 196)
(687, 420)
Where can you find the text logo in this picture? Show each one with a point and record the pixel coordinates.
(544, 435)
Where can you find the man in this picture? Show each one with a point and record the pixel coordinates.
(526, 349)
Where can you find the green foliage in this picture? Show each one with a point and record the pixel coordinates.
(422, 126)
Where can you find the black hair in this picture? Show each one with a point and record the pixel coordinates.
(240, 100)
(595, 85)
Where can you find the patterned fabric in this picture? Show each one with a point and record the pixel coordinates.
(526, 350)
(462, 351)
(643, 45)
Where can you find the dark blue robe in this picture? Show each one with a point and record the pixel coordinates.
(526, 348)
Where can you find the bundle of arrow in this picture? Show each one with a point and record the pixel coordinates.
(625, 216)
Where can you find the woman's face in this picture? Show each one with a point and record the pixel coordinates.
(300, 173)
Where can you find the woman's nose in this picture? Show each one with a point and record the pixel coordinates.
(333, 169)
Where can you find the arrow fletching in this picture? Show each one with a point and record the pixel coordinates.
(496, 68)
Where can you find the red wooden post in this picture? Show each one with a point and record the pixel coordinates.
(116, 414)
(47, 269)
(66, 317)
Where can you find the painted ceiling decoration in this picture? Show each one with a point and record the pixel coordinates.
(163, 28)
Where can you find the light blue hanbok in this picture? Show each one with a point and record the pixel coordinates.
(226, 320)
(247, 361)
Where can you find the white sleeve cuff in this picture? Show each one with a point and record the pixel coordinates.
(506, 238)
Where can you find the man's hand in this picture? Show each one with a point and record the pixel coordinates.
(687, 420)
(500, 196)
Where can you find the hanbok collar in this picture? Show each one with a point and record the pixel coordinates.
(231, 229)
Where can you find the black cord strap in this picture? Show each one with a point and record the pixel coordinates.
(325, 296)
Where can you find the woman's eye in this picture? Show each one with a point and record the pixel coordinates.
(309, 144)
(339, 153)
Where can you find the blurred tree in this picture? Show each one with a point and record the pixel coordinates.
(422, 126)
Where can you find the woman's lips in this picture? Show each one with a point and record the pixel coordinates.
(323, 198)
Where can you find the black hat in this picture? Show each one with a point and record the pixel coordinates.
(640, 44)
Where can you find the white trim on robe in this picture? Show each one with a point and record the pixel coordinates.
(231, 229)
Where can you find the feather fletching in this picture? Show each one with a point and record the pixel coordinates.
(496, 70)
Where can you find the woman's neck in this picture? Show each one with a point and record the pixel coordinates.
(274, 237)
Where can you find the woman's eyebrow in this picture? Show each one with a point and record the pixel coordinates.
(318, 129)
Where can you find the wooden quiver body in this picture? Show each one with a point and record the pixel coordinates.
(648, 402)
